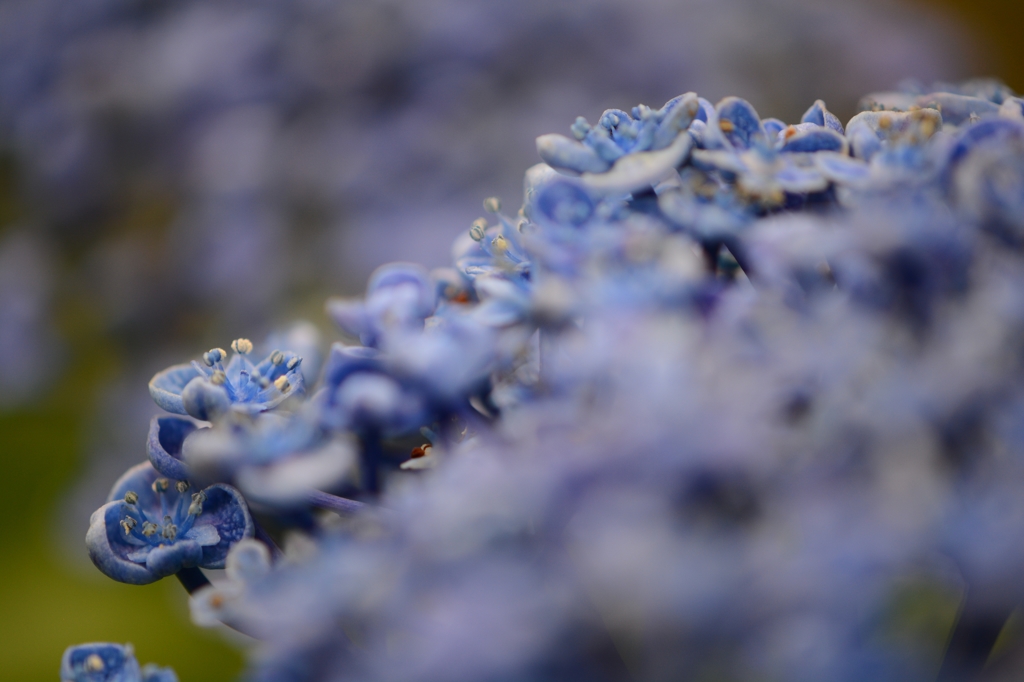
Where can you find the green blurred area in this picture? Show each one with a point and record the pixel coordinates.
(46, 604)
(996, 28)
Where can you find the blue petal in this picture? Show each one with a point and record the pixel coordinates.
(399, 274)
(165, 560)
(226, 511)
(166, 386)
(154, 673)
(772, 127)
(563, 153)
(166, 435)
(640, 170)
(739, 123)
(820, 115)
(842, 168)
(204, 400)
(818, 140)
(206, 535)
(109, 549)
(957, 109)
(118, 663)
(564, 203)
(678, 114)
(991, 130)
(349, 314)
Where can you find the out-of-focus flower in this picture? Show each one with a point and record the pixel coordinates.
(105, 662)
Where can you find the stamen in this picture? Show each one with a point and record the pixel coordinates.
(149, 528)
(420, 451)
(477, 229)
(281, 383)
(499, 244)
(726, 126)
(277, 357)
(242, 346)
(196, 508)
(161, 485)
(218, 378)
(93, 663)
(128, 523)
(293, 363)
(213, 356)
(492, 204)
(170, 530)
(131, 497)
(884, 122)
(182, 486)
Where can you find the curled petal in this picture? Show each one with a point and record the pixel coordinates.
(166, 387)
(109, 549)
(166, 436)
(820, 115)
(165, 560)
(204, 400)
(817, 140)
(640, 170)
(226, 511)
(739, 123)
(563, 153)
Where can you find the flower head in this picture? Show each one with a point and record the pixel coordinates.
(209, 389)
(105, 662)
(152, 526)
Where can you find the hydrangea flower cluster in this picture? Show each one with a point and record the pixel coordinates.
(709, 406)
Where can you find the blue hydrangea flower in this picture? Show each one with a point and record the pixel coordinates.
(105, 662)
(618, 134)
(209, 389)
(361, 393)
(398, 295)
(152, 527)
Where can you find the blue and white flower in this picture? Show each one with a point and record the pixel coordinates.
(152, 527)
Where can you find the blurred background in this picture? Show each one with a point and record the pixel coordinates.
(175, 174)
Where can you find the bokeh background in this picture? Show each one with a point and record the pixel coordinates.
(177, 173)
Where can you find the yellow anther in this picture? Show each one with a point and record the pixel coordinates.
(182, 486)
(927, 127)
(281, 384)
(885, 122)
(149, 528)
(127, 524)
(131, 497)
(726, 126)
(499, 244)
(277, 357)
(492, 204)
(218, 378)
(293, 363)
(242, 346)
(161, 485)
(93, 663)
